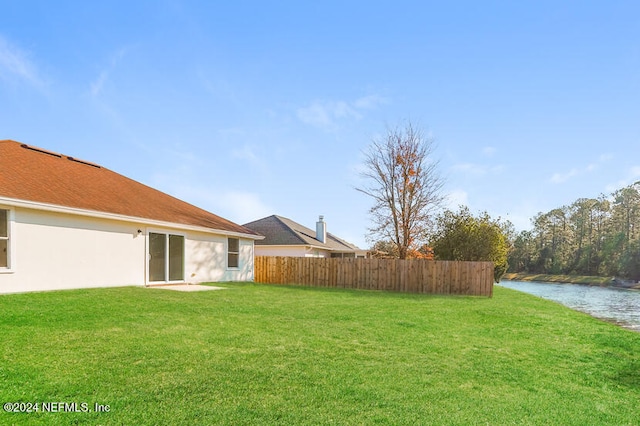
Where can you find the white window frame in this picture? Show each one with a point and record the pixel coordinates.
(229, 252)
(166, 234)
(11, 240)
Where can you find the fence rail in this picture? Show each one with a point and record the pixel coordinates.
(409, 276)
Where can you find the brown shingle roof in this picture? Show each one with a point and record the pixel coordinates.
(33, 174)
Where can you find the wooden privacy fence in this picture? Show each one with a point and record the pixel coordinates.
(410, 275)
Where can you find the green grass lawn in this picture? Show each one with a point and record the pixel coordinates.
(256, 354)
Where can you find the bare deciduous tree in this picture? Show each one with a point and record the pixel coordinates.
(404, 183)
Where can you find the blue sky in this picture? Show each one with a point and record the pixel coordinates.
(250, 108)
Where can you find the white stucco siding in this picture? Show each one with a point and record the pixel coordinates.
(206, 259)
(52, 250)
(291, 251)
(246, 269)
(60, 251)
(317, 253)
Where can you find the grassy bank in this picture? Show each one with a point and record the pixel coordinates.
(569, 279)
(256, 354)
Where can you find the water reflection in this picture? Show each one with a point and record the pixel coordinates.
(618, 305)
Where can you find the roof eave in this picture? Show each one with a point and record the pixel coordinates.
(345, 250)
(294, 246)
(114, 216)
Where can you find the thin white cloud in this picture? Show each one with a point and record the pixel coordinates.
(632, 175)
(236, 205)
(601, 160)
(327, 114)
(15, 64)
(480, 169)
(561, 177)
(181, 152)
(477, 169)
(315, 115)
(469, 168)
(245, 207)
(245, 153)
(97, 86)
(369, 102)
(248, 154)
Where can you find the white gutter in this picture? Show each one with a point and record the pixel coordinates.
(114, 216)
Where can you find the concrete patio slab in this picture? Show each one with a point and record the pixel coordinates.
(186, 287)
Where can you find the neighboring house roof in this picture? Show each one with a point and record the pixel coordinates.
(36, 175)
(280, 231)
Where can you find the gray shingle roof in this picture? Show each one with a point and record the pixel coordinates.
(281, 231)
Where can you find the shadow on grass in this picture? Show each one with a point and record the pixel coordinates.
(629, 376)
(352, 291)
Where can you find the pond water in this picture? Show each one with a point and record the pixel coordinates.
(617, 305)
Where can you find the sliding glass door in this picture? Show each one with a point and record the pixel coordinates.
(166, 257)
(176, 258)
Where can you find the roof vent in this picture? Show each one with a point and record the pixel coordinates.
(87, 163)
(42, 151)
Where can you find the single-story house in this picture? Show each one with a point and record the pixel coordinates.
(284, 237)
(69, 223)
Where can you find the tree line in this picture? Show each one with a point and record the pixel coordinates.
(402, 179)
(592, 236)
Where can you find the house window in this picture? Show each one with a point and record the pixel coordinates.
(233, 253)
(343, 255)
(4, 239)
(166, 257)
